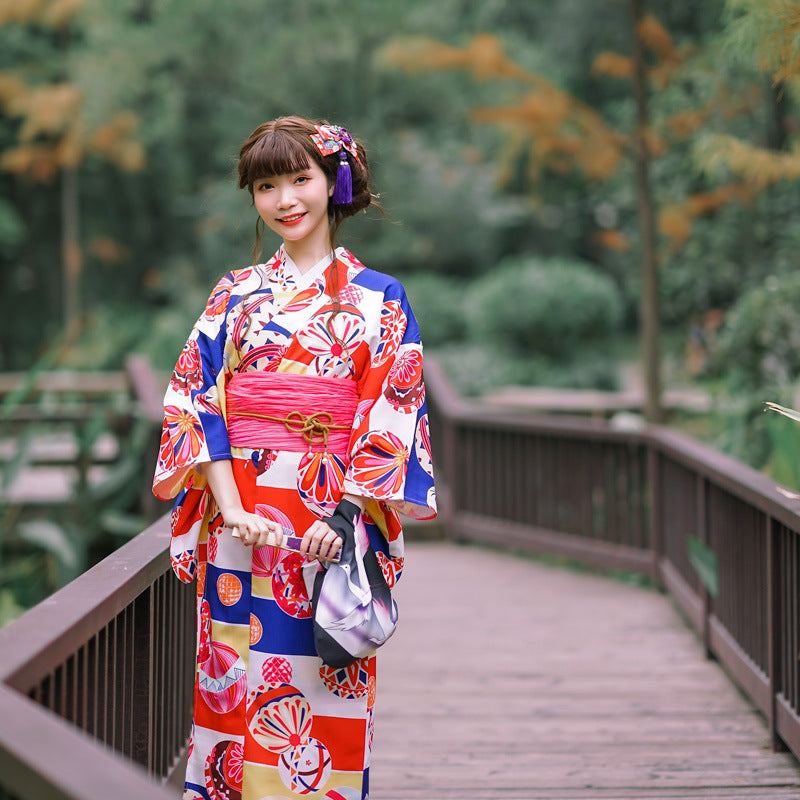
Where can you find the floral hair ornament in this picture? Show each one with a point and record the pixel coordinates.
(330, 139)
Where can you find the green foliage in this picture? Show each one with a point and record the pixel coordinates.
(547, 307)
(550, 322)
(199, 78)
(730, 254)
(757, 356)
(784, 440)
(9, 608)
(12, 229)
(759, 345)
(705, 563)
(765, 33)
(475, 368)
(65, 544)
(46, 545)
(438, 305)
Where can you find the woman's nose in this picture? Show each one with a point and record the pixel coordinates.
(286, 198)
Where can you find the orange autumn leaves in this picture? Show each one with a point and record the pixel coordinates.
(558, 132)
(48, 13)
(753, 168)
(53, 133)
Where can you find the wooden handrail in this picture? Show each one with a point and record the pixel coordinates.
(43, 757)
(90, 654)
(34, 645)
(83, 382)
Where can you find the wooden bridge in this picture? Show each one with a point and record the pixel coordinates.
(559, 684)
(510, 677)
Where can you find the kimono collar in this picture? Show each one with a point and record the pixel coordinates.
(290, 274)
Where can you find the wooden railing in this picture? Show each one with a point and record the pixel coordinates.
(103, 668)
(80, 423)
(638, 500)
(111, 656)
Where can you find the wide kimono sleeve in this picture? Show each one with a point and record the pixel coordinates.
(390, 453)
(194, 429)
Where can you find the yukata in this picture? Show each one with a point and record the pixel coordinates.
(271, 720)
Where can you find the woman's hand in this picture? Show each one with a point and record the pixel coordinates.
(324, 538)
(320, 541)
(251, 529)
(254, 530)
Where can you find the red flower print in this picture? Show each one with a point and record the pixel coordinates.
(391, 568)
(289, 589)
(277, 670)
(379, 463)
(405, 389)
(203, 403)
(320, 481)
(166, 456)
(204, 647)
(184, 437)
(266, 358)
(218, 301)
(188, 372)
(244, 320)
(349, 682)
(332, 339)
(423, 441)
(393, 325)
(303, 299)
(407, 370)
(233, 764)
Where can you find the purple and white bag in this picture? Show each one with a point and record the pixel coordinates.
(353, 609)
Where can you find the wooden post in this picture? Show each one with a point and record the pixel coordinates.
(702, 535)
(654, 515)
(775, 630)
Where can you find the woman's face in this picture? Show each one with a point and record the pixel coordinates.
(295, 205)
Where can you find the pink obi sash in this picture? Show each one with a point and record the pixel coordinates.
(284, 411)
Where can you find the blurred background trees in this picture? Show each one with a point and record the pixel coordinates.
(502, 136)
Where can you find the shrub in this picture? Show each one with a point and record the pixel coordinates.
(545, 307)
(757, 356)
(438, 305)
(758, 348)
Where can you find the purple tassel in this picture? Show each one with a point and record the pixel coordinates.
(343, 188)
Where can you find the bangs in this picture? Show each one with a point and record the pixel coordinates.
(276, 153)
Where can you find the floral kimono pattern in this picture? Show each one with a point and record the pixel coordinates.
(270, 719)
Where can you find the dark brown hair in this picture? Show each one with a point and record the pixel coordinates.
(284, 145)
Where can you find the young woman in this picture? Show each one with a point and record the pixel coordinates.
(296, 409)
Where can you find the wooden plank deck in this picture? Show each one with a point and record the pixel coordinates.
(512, 680)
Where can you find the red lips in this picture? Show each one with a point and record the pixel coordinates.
(292, 219)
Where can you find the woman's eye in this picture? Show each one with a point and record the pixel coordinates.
(262, 187)
(301, 179)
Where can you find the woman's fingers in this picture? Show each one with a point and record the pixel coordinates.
(320, 541)
(334, 544)
(274, 537)
(312, 538)
(255, 530)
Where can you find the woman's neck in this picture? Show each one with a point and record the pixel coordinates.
(307, 254)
